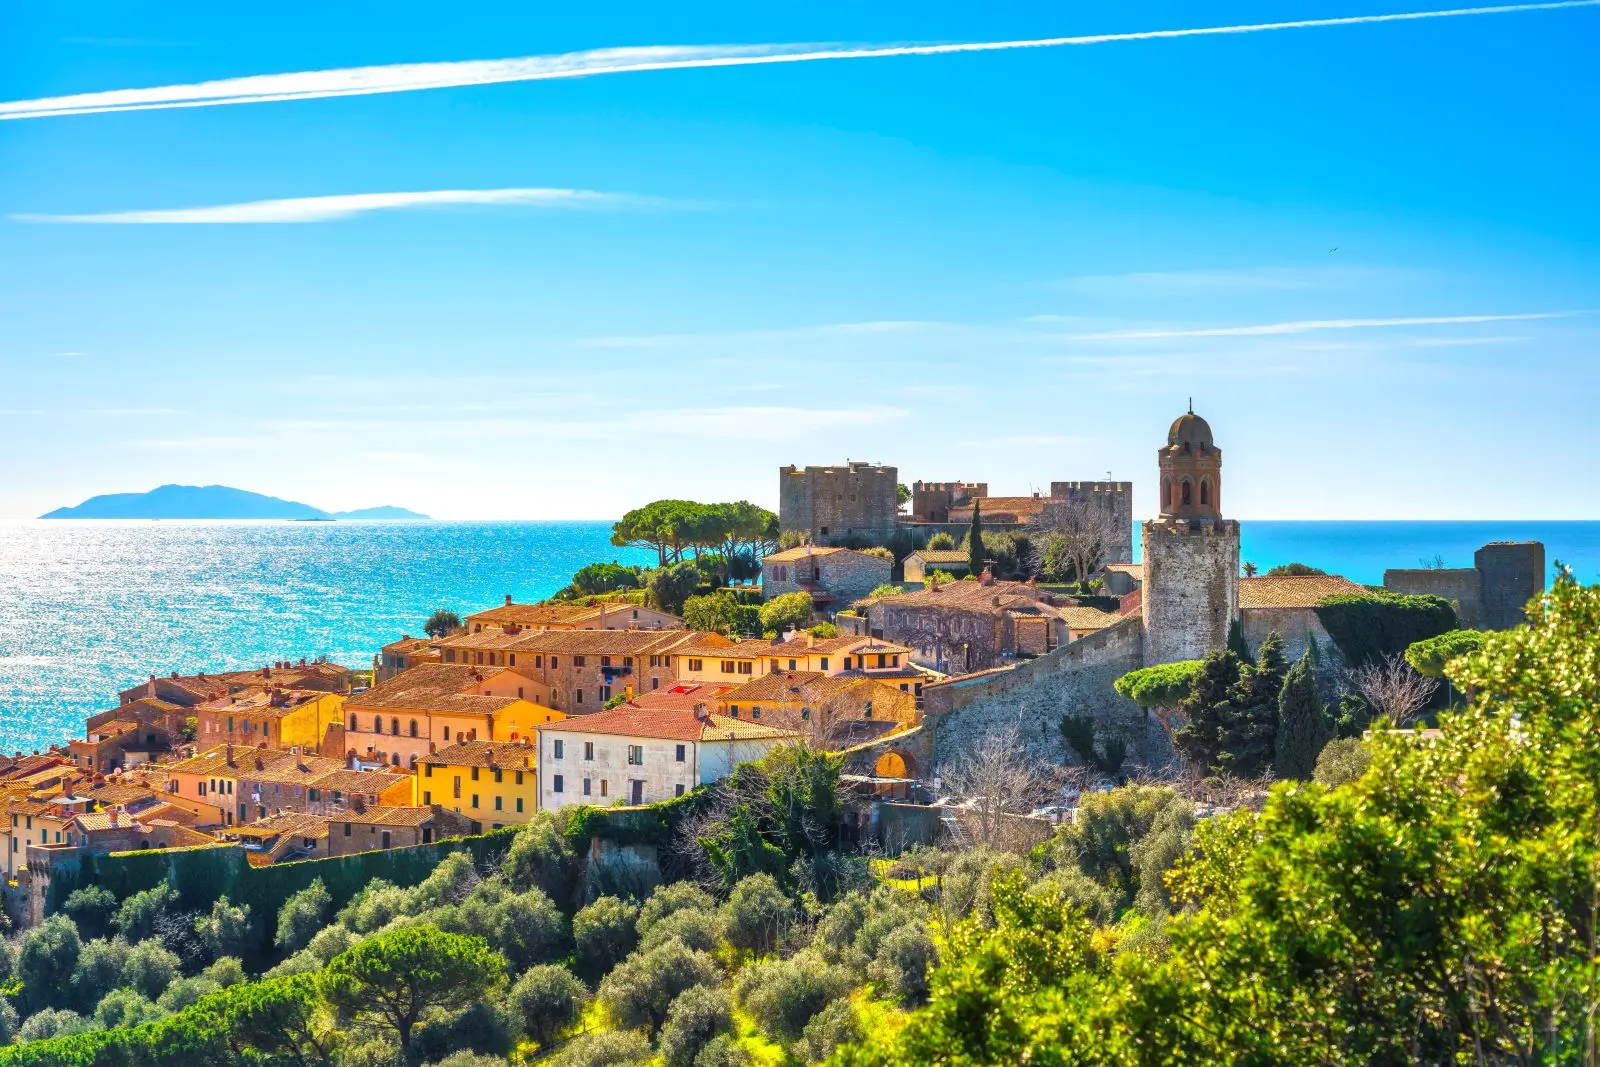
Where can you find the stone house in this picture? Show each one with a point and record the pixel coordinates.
(393, 827)
(402, 655)
(833, 710)
(192, 689)
(272, 715)
(511, 617)
(577, 671)
(966, 626)
(433, 705)
(921, 564)
(643, 756)
(833, 576)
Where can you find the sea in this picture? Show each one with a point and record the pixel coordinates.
(88, 608)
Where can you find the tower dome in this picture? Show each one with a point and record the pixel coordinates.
(1191, 471)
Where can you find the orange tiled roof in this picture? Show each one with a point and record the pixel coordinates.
(507, 754)
(1292, 591)
(441, 687)
(624, 721)
(683, 697)
(387, 816)
(272, 702)
(970, 595)
(800, 552)
(824, 646)
(796, 687)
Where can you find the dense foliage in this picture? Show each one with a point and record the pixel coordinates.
(1430, 657)
(1369, 626)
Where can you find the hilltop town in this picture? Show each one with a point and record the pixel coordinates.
(903, 630)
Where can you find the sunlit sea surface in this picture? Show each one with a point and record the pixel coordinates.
(90, 608)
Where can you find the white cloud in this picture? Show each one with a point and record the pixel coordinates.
(328, 208)
(1315, 325)
(407, 77)
(1216, 281)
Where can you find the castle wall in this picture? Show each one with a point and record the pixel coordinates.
(1035, 694)
(834, 504)
(1512, 574)
(1298, 627)
(1191, 587)
(1116, 498)
(1462, 586)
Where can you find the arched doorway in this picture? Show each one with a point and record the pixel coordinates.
(894, 764)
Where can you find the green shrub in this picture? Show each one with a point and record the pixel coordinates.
(546, 1000)
(1369, 626)
(613, 1048)
(47, 960)
(782, 996)
(831, 1028)
(151, 967)
(124, 1007)
(641, 988)
(603, 934)
(226, 930)
(698, 1015)
(789, 611)
(99, 971)
(1342, 760)
(302, 916)
(902, 963)
(52, 1022)
(92, 909)
(756, 914)
(1430, 657)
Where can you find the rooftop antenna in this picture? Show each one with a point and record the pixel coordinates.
(1191, 405)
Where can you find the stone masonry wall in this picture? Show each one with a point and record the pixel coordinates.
(1513, 574)
(849, 576)
(1297, 626)
(830, 504)
(1116, 499)
(943, 638)
(1035, 694)
(1191, 588)
(1462, 586)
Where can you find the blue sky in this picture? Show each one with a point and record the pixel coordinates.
(1371, 253)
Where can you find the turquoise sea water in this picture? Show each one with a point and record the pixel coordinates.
(89, 608)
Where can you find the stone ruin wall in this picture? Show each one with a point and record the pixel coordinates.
(1034, 695)
(1191, 588)
(851, 500)
(1116, 499)
(1462, 586)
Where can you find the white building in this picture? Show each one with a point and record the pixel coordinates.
(642, 756)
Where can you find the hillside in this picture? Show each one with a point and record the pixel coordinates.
(211, 502)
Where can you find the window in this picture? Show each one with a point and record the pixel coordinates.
(457, 791)
(511, 660)
(682, 750)
(733, 710)
(499, 775)
(627, 661)
(497, 802)
(347, 829)
(578, 661)
(603, 786)
(588, 750)
(519, 803)
(413, 727)
(869, 710)
(791, 665)
(519, 692)
(805, 714)
(586, 785)
(427, 770)
(824, 662)
(605, 661)
(694, 665)
(377, 724)
(554, 663)
(679, 790)
(655, 683)
(1186, 493)
(474, 774)
(1205, 492)
(847, 663)
(352, 722)
(230, 724)
(557, 785)
(747, 666)
(580, 696)
(538, 661)
(519, 777)
(605, 693)
(636, 755)
(727, 666)
(427, 797)
(755, 712)
(558, 749)
(474, 800)
(655, 661)
(447, 733)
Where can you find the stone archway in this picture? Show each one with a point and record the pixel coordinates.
(895, 763)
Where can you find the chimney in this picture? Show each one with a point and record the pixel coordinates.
(933, 585)
(602, 614)
(987, 577)
(701, 714)
(150, 687)
(508, 600)
(229, 754)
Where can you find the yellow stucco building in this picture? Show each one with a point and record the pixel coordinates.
(493, 783)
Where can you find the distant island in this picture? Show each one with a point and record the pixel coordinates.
(213, 502)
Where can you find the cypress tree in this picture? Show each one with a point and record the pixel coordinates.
(1202, 738)
(975, 540)
(1236, 643)
(1303, 726)
(1251, 717)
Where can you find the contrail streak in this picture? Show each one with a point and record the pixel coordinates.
(329, 208)
(407, 77)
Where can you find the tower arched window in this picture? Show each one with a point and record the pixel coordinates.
(1166, 493)
(394, 726)
(1188, 493)
(413, 727)
(352, 722)
(1205, 494)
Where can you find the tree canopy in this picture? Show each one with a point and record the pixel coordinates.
(1432, 655)
(672, 527)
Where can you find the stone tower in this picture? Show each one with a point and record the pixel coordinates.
(1191, 553)
(855, 502)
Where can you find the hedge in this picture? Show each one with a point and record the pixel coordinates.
(1163, 685)
(1370, 626)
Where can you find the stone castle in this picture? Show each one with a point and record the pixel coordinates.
(858, 503)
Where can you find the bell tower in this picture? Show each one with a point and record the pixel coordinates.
(1191, 553)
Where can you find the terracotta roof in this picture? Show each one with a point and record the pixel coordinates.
(29, 807)
(408, 644)
(104, 820)
(442, 687)
(941, 555)
(1135, 569)
(1292, 591)
(1083, 619)
(799, 552)
(624, 721)
(29, 765)
(294, 823)
(185, 836)
(558, 614)
(124, 793)
(994, 506)
(216, 761)
(349, 780)
(609, 642)
(715, 646)
(871, 646)
(682, 697)
(166, 813)
(507, 754)
(273, 702)
(300, 770)
(387, 816)
(969, 595)
(795, 687)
